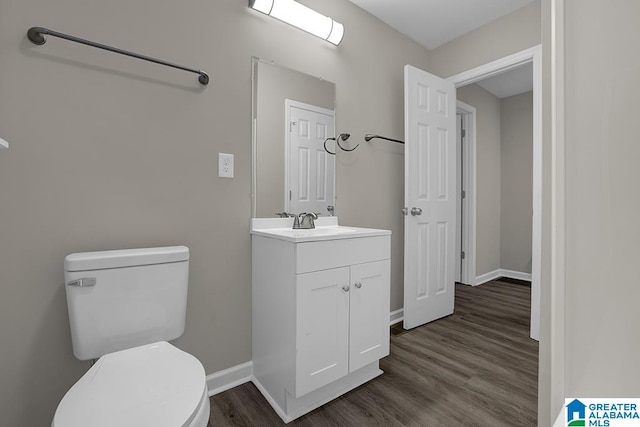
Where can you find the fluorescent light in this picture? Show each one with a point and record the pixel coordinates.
(3, 143)
(302, 17)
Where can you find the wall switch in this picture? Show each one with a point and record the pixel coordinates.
(225, 165)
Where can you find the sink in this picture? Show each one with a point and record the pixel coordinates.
(326, 229)
(312, 232)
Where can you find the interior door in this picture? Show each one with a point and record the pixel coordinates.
(310, 178)
(430, 197)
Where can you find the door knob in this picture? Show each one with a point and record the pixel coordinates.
(416, 211)
(345, 288)
(405, 211)
(357, 285)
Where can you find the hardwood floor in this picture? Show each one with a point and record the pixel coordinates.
(477, 367)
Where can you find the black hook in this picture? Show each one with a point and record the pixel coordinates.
(344, 137)
(325, 145)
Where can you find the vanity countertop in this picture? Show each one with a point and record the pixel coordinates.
(327, 228)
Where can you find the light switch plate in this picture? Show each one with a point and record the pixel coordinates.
(225, 165)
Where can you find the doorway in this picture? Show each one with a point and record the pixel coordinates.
(530, 56)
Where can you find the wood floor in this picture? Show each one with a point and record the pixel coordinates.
(477, 367)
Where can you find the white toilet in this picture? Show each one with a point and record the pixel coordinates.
(123, 308)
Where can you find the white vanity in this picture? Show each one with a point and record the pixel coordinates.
(320, 311)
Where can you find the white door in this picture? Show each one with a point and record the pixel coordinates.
(430, 186)
(310, 177)
(322, 328)
(369, 322)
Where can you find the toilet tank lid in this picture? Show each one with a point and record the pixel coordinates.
(125, 258)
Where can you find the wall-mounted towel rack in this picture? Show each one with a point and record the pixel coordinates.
(36, 36)
(341, 137)
(368, 137)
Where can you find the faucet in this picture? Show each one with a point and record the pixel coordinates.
(304, 220)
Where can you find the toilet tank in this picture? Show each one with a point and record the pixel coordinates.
(125, 298)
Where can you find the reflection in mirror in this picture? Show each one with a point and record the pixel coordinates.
(293, 115)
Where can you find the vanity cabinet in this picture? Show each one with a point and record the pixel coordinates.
(341, 323)
(320, 317)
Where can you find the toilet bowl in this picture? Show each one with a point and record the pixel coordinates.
(150, 385)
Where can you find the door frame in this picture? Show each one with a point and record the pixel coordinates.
(468, 219)
(532, 55)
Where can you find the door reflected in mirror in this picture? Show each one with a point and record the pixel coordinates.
(293, 115)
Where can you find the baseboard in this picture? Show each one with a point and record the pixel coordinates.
(234, 376)
(487, 277)
(396, 316)
(500, 272)
(516, 275)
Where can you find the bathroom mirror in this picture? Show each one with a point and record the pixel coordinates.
(293, 114)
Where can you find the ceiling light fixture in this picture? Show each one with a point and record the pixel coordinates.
(302, 17)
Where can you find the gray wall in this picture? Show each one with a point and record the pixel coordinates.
(602, 175)
(488, 177)
(510, 34)
(109, 152)
(516, 169)
(504, 171)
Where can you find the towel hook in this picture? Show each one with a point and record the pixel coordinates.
(343, 137)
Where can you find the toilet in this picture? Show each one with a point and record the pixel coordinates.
(123, 307)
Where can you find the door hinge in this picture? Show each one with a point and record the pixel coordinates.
(464, 133)
(462, 255)
(291, 125)
(464, 194)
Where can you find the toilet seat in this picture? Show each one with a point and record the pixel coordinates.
(151, 385)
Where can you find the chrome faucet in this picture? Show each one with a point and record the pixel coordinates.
(304, 220)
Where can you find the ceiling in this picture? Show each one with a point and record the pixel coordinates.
(433, 23)
(513, 82)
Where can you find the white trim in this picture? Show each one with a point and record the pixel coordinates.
(232, 377)
(469, 214)
(536, 220)
(501, 272)
(533, 55)
(555, 315)
(297, 407)
(496, 67)
(396, 316)
(270, 399)
(511, 274)
(487, 277)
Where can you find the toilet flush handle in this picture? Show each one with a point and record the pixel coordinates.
(83, 283)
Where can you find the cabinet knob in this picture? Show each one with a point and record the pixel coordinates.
(345, 288)
(358, 285)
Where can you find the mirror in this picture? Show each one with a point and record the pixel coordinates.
(293, 114)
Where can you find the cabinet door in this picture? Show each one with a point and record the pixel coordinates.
(322, 328)
(369, 306)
